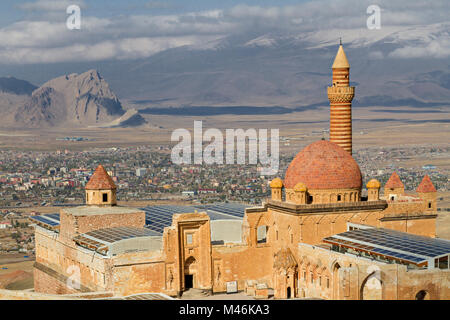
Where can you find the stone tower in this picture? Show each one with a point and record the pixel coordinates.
(341, 95)
(101, 190)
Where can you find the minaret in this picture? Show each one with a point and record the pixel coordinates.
(341, 95)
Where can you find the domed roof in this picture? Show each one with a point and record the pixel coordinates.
(373, 184)
(324, 165)
(300, 187)
(276, 183)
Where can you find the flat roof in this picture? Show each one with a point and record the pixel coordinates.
(99, 210)
(393, 244)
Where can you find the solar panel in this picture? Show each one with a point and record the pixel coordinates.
(111, 235)
(232, 209)
(54, 216)
(99, 240)
(159, 217)
(394, 244)
(44, 220)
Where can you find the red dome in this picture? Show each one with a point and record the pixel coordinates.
(324, 165)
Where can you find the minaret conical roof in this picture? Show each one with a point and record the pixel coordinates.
(426, 185)
(394, 182)
(341, 59)
(100, 180)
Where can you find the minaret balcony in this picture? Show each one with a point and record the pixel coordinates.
(341, 94)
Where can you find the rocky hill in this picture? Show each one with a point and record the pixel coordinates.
(72, 100)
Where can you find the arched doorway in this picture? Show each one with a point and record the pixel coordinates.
(189, 273)
(371, 288)
(288, 293)
(336, 268)
(422, 295)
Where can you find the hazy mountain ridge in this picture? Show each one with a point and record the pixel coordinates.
(290, 71)
(16, 86)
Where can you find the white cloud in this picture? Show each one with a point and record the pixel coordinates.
(126, 48)
(50, 5)
(434, 49)
(41, 39)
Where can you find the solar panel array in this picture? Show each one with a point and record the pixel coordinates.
(54, 216)
(141, 296)
(99, 240)
(394, 244)
(232, 209)
(49, 221)
(111, 235)
(159, 217)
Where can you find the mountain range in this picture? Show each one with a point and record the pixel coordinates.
(397, 66)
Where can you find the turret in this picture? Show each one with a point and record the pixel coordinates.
(101, 190)
(276, 185)
(428, 193)
(300, 190)
(373, 190)
(394, 187)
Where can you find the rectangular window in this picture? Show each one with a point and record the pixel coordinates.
(105, 197)
(328, 283)
(189, 238)
(312, 278)
(320, 280)
(262, 234)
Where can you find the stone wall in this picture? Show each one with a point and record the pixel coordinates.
(347, 277)
(66, 260)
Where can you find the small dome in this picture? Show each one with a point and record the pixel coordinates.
(373, 184)
(276, 183)
(300, 187)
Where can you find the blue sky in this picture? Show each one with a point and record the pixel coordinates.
(34, 31)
